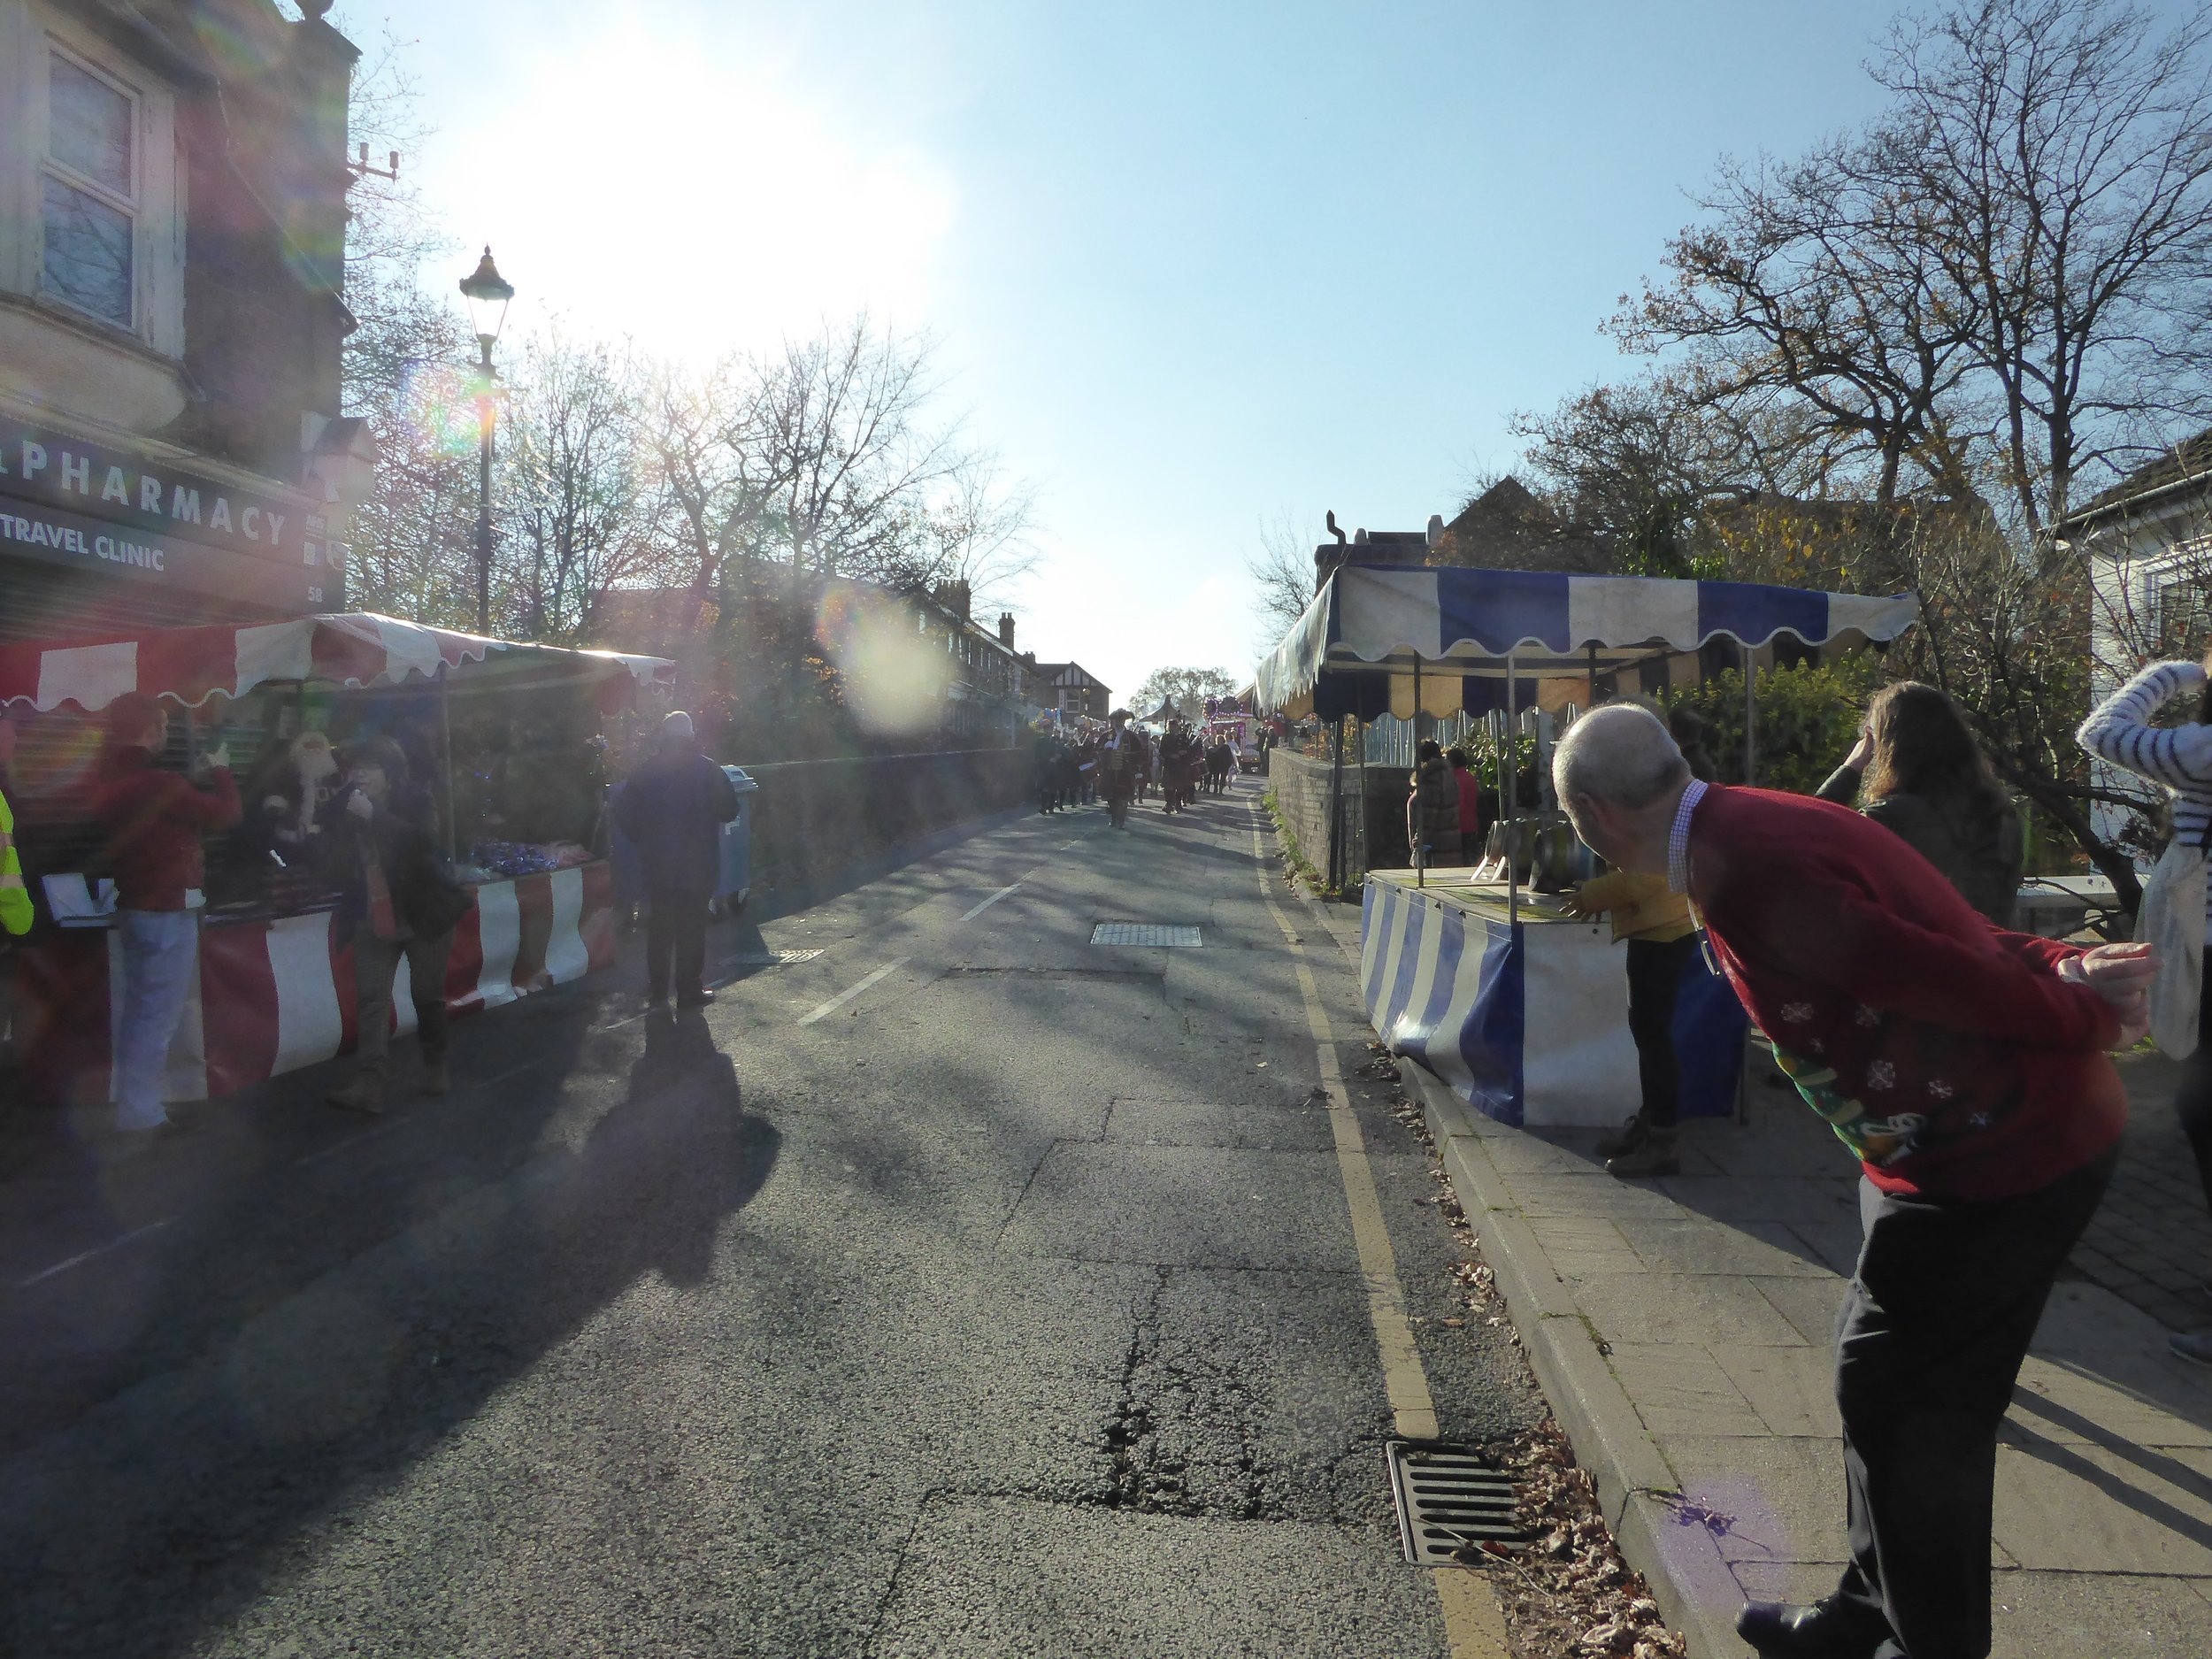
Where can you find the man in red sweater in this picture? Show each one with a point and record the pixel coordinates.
(153, 820)
(1965, 1067)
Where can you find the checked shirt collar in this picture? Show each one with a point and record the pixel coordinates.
(1678, 838)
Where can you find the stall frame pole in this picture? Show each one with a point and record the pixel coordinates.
(1750, 718)
(445, 736)
(1359, 737)
(1336, 805)
(1508, 779)
(1413, 804)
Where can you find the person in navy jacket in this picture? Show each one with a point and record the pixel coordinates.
(674, 807)
(1965, 1067)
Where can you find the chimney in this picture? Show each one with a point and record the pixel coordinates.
(1006, 629)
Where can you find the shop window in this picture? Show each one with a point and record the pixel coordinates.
(90, 196)
(1654, 678)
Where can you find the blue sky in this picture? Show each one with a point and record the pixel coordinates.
(1190, 267)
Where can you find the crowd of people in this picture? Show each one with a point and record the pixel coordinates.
(1123, 764)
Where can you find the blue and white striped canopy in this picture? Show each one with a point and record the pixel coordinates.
(1465, 623)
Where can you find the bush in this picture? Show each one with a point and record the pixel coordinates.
(1808, 718)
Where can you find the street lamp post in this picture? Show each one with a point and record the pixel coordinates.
(488, 293)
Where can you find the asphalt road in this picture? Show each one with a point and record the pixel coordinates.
(966, 1288)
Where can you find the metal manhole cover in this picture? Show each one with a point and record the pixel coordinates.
(1448, 1498)
(1145, 934)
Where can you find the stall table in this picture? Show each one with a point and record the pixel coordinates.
(269, 997)
(1523, 1017)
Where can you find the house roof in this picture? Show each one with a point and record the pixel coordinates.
(1054, 671)
(2187, 464)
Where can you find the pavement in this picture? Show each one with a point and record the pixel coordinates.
(1683, 1330)
(953, 1286)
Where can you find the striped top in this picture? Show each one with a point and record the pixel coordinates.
(2179, 757)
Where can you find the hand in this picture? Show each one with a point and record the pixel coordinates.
(2122, 975)
(1862, 753)
(2116, 973)
(360, 806)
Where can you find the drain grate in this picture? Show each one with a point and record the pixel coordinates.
(771, 958)
(1145, 934)
(1448, 1497)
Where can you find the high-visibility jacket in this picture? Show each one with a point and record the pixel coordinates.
(15, 899)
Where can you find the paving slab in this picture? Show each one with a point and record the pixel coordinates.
(1687, 1325)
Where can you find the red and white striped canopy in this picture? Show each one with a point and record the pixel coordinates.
(192, 665)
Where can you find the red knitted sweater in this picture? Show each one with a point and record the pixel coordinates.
(1946, 1053)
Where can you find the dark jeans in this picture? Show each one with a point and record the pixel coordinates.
(1934, 1329)
(675, 941)
(1655, 979)
(2192, 1099)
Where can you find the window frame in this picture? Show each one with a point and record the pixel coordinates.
(132, 207)
(32, 32)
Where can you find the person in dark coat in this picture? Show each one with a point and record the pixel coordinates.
(1433, 809)
(1927, 783)
(398, 901)
(673, 808)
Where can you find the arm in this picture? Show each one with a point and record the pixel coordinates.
(215, 807)
(2119, 729)
(1816, 927)
(1842, 787)
(1600, 894)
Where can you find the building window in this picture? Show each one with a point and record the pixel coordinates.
(2181, 616)
(89, 192)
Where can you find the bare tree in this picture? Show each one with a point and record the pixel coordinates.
(412, 547)
(2063, 158)
(1281, 574)
(846, 451)
(1997, 288)
(582, 515)
(976, 531)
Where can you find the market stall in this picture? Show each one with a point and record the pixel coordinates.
(1522, 1011)
(508, 739)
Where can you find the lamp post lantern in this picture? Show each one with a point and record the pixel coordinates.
(488, 293)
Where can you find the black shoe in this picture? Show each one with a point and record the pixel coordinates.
(1631, 1137)
(693, 999)
(1829, 1629)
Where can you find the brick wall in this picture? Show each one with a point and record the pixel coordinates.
(815, 817)
(1301, 795)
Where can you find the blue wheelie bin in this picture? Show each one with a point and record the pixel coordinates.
(734, 881)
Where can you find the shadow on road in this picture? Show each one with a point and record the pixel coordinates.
(175, 1488)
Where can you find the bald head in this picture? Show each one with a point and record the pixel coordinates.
(1620, 755)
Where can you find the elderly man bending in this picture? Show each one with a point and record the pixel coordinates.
(1965, 1068)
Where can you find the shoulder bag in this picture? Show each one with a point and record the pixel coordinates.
(2171, 917)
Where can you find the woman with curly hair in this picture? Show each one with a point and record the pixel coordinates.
(1923, 777)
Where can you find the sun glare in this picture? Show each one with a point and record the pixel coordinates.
(729, 210)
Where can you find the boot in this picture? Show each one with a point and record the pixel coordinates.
(1655, 1156)
(1631, 1134)
(362, 1094)
(434, 1077)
